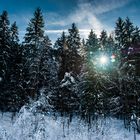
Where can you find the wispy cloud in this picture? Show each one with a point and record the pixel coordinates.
(83, 32)
(87, 15)
(60, 31)
(102, 6)
(82, 16)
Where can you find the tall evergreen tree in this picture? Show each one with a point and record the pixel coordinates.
(103, 40)
(136, 36)
(62, 55)
(129, 29)
(35, 30)
(73, 50)
(4, 28)
(14, 33)
(4, 42)
(92, 48)
(33, 38)
(48, 71)
(45, 62)
(16, 70)
(11, 65)
(74, 38)
(70, 66)
(119, 32)
(92, 43)
(4, 58)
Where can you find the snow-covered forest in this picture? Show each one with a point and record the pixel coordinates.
(73, 89)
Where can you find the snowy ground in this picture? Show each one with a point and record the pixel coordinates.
(28, 126)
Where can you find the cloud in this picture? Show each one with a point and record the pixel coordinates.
(60, 31)
(87, 14)
(82, 16)
(103, 6)
(54, 31)
(83, 32)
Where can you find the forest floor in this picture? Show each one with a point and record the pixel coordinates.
(29, 126)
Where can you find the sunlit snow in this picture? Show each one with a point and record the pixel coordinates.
(37, 126)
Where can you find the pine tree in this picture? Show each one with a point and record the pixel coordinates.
(74, 38)
(4, 43)
(48, 72)
(111, 44)
(92, 43)
(126, 35)
(129, 29)
(45, 62)
(136, 36)
(4, 59)
(35, 30)
(11, 64)
(4, 28)
(62, 52)
(14, 33)
(70, 66)
(74, 59)
(33, 38)
(16, 66)
(92, 48)
(103, 41)
(119, 32)
(83, 50)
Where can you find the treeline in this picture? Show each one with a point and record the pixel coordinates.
(67, 74)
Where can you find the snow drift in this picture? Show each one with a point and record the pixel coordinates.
(31, 125)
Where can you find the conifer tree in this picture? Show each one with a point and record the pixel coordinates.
(33, 38)
(103, 40)
(74, 44)
(4, 28)
(34, 31)
(129, 29)
(92, 48)
(119, 32)
(14, 33)
(92, 43)
(136, 36)
(4, 58)
(74, 38)
(70, 66)
(45, 62)
(62, 55)
(16, 70)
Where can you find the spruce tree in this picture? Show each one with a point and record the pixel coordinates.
(33, 38)
(92, 43)
(111, 44)
(74, 38)
(4, 28)
(45, 62)
(103, 41)
(92, 48)
(74, 44)
(16, 70)
(136, 36)
(129, 29)
(48, 72)
(4, 59)
(62, 55)
(35, 30)
(119, 32)
(14, 33)
(70, 67)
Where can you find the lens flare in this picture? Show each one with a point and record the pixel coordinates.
(103, 59)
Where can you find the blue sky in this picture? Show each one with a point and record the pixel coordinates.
(59, 14)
